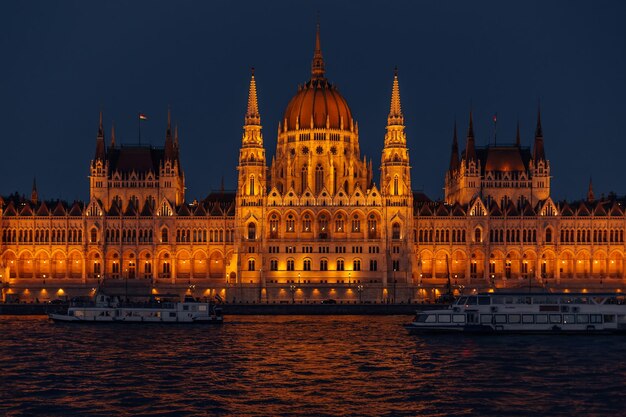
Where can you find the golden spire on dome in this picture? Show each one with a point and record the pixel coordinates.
(252, 115)
(395, 113)
(317, 67)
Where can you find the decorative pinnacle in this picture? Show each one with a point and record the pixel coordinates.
(539, 130)
(518, 139)
(395, 113)
(100, 129)
(252, 115)
(317, 67)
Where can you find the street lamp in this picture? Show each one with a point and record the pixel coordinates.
(349, 279)
(292, 288)
(360, 290)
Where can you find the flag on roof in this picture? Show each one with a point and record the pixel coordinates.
(143, 116)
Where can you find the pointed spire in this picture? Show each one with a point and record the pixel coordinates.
(317, 67)
(539, 130)
(112, 136)
(538, 151)
(176, 136)
(100, 147)
(470, 150)
(170, 154)
(454, 156)
(590, 196)
(395, 113)
(252, 115)
(34, 197)
(518, 140)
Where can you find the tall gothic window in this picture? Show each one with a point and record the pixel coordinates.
(251, 231)
(304, 178)
(251, 184)
(319, 178)
(395, 185)
(395, 231)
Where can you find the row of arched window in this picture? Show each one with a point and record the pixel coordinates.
(440, 235)
(42, 236)
(595, 236)
(307, 265)
(517, 235)
(126, 236)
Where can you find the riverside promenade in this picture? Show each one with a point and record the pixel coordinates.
(255, 309)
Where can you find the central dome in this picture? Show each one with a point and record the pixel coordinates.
(320, 104)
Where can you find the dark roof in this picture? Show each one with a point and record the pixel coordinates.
(507, 158)
(138, 158)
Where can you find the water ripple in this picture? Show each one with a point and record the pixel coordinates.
(309, 366)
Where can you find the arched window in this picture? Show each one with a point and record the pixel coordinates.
(94, 235)
(250, 264)
(356, 265)
(324, 265)
(395, 185)
(395, 231)
(319, 178)
(251, 231)
(477, 235)
(164, 235)
(251, 184)
(274, 226)
(340, 266)
(290, 265)
(306, 223)
(306, 266)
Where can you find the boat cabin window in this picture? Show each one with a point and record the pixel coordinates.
(185, 308)
(421, 318)
(431, 318)
(458, 318)
(595, 318)
(444, 318)
(471, 301)
(582, 318)
(569, 318)
(528, 318)
(484, 301)
(499, 318)
(172, 314)
(555, 318)
(609, 318)
(514, 318)
(462, 301)
(485, 318)
(541, 318)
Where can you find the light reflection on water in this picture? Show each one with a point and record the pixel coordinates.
(259, 365)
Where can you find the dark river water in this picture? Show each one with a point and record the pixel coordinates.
(302, 365)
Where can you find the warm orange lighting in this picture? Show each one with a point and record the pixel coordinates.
(60, 292)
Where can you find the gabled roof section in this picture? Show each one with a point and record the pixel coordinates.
(442, 210)
(113, 210)
(600, 209)
(477, 208)
(147, 210)
(458, 210)
(511, 210)
(199, 211)
(131, 210)
(582, 209)
(26, 210)
(59, 210)
(10, 210)
(76, 210)
(43, 210)
(616, 210)
(528, 210)
(494, 210)
(183, 210)
(566, 210)
(425, 210)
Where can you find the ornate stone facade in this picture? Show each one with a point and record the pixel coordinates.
(313, 225)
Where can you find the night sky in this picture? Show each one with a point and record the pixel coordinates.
(62, 62)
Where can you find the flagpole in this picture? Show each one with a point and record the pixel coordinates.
(139, 122)
(495, 129)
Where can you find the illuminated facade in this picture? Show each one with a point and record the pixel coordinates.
(312, 224)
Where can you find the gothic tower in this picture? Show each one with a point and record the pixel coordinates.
(396, 190)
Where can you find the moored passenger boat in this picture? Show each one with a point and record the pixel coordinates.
(108, 309)
(527, 313)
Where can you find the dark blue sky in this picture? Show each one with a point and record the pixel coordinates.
(61, 62)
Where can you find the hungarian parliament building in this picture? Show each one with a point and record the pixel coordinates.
(311, 224)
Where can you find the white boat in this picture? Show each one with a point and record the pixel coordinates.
(527, 313)
(111, 310)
